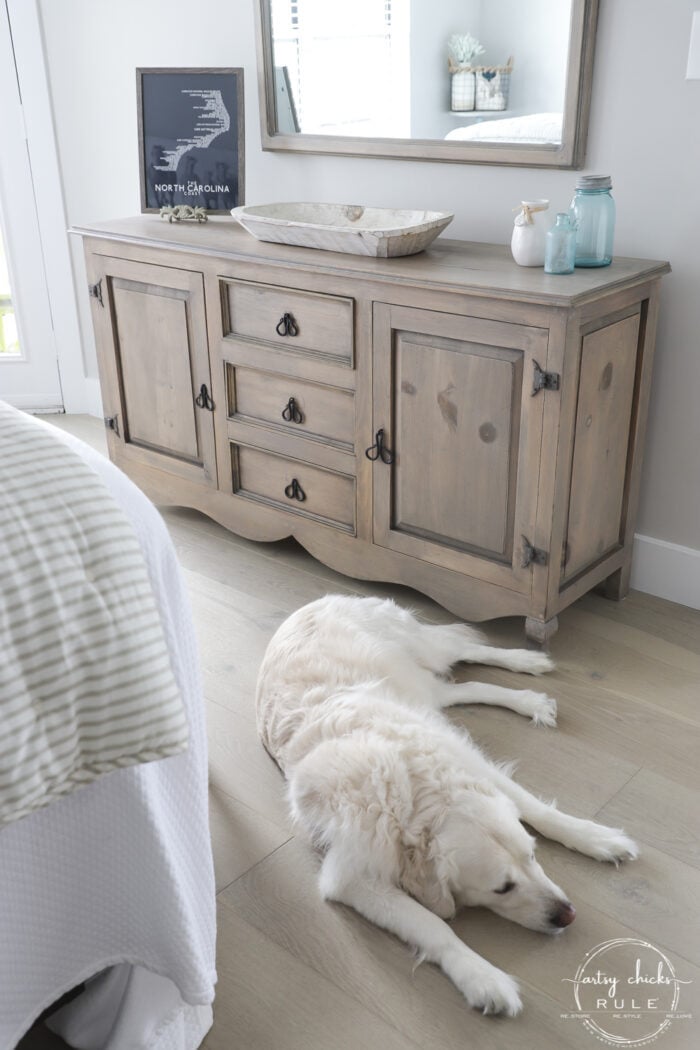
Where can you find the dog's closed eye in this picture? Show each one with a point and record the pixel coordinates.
(506, 888)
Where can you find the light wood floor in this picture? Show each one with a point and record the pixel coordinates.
(298, 974)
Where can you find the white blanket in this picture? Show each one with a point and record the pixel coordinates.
(120, 871)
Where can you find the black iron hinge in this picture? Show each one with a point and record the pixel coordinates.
(533, 555)
(544, 380)
(112, 423)
(95, 291)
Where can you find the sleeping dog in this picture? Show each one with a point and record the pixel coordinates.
(413, 820)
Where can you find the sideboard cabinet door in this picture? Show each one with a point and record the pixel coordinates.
(457, 478)
(600, 460)
(154, 366)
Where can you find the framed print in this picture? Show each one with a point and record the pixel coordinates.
(191, 138)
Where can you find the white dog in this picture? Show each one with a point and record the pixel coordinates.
(414, 821)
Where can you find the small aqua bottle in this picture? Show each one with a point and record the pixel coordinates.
(593, 214)
(560, 246)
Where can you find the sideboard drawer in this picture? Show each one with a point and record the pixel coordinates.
(310, 410)
(307, 322)
(289, 484)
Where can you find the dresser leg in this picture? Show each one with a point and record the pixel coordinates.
(540, 631)
(616, 587)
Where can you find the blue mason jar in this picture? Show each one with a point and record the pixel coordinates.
(593, 215)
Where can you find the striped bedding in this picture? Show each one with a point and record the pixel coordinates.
(85, 679)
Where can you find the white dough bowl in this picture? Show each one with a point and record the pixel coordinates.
(381, 232)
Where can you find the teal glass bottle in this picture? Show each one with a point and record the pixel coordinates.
(560, 246)
(593, 214)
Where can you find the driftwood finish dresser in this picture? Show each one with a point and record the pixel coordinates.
(449, 421)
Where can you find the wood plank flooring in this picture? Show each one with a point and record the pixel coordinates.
(295, 972)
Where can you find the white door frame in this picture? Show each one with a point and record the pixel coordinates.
(28, 379)
(79, 394)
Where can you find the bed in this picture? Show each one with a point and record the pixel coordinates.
(110, 884)
(541, 129)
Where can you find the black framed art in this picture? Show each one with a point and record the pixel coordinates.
(191, 138)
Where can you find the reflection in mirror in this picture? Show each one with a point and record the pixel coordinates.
(379, 68)
(382, 76)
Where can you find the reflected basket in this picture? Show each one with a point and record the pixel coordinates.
(493, 86)
(463, 93)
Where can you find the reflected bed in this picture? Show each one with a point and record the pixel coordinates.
(535, 128)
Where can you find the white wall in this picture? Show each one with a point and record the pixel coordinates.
(536, 33)
(431, 25)
(644, 130)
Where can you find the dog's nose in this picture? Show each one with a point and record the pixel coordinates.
(563, 915)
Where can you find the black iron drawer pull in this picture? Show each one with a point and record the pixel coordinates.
(287, 325)
(203, 399)
(292, 413)
(295, 491)
(379, 450)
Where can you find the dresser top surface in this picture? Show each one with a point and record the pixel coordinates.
(467, 266)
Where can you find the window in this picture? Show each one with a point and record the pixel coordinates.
(323, 43)
(9, 341)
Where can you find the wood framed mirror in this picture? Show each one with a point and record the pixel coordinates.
(370, 78)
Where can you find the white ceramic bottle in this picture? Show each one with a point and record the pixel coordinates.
(529, 233)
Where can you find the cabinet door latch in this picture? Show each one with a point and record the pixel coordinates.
(379, 450)
(544, 380)
(533, 555)
(95, 291)
(203, 398)
(112, 423)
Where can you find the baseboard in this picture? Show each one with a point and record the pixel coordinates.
(666, 570)
(35, 405)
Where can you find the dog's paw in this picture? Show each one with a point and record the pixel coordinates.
(607, 844)
(544, 711)
(486, 988)
(528, 661)
(615, 846)
(495, 993)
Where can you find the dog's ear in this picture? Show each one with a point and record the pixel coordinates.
(424, 876)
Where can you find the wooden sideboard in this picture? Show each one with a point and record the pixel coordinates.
(449, 421)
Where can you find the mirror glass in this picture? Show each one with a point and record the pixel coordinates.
(498, 73)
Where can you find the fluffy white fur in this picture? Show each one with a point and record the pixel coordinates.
(414, 821)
